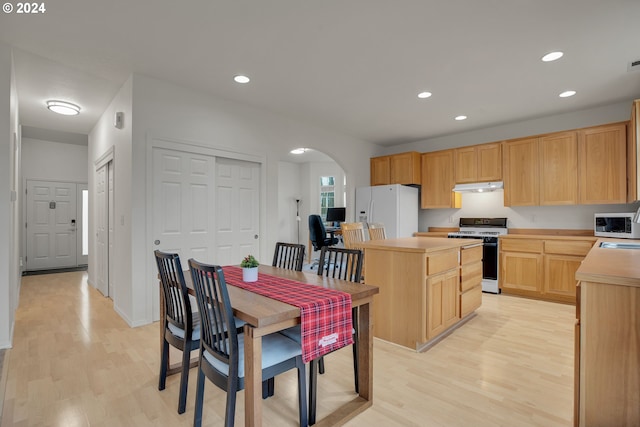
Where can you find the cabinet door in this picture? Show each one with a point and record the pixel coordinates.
(559, 169)
(603, 164)
(380, 170)
(466, 165)
(437, 181)
(560, 277)
(521, 273)
(633, 154)
(443, 309)
(520, 164)
(489, 158)
(405, 168)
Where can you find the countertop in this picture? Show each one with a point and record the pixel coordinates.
(547, 237)
(612, 266)
(419, 244)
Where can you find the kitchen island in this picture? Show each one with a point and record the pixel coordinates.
(607, 340)
(428, 287)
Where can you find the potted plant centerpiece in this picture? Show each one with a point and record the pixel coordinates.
(249, 268)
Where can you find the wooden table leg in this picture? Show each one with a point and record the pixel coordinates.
(365, 352)
(253, 377)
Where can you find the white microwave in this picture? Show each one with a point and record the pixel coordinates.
(616, 225)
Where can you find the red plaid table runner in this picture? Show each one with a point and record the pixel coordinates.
(325, 314)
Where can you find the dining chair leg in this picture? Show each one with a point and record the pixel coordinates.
(355, 347)
(313, 391)
(197, 413)
(268, 388)
(184, 378)
(230, 412)
(321, 365)
(302, 395)
(164, 356)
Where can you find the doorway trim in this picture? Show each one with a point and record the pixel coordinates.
(197, 147)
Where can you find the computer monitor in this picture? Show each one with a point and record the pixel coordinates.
(336, 214)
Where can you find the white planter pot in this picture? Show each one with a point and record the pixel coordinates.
(250, 274)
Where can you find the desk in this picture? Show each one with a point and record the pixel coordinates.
(333, 231)
(265, 316)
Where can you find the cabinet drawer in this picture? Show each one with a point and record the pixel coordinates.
(442, 261)
(469, 255)
(568, 247)
(470, 300)
(470, 276)
(521, 245)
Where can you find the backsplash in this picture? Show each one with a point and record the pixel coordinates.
(491, 205)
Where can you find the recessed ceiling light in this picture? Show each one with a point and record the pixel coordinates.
(242, 79)
(298, 150)
(567, 93)
(62, 107)
(423, 95)
(552, 56)
(461, 118)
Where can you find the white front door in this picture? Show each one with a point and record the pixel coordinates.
(51, 225)
(237, 211)
(102, 237)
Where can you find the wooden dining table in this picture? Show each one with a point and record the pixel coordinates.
(265, 316)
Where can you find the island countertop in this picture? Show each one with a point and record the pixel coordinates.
(419, 244)
(611, 266)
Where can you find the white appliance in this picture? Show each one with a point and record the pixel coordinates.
(617, 225)
(395, 206)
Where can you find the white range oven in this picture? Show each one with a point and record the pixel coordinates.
(487, 229)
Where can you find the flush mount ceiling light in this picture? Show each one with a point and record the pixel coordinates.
(567, 93)
(423, 95)
(241, 79)
(299, 150)
(458, 118)
(62, 107)
(552, 56)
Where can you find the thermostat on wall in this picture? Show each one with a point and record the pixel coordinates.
(118, 120)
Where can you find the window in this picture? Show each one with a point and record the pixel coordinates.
(327, 194)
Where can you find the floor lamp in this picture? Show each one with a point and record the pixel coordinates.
(298, 217)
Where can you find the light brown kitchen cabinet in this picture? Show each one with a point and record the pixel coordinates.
(602, 152)
(559, 169)
(633, 154)
(470, 279)
(542, 268)
(438, 181)
(380, 169)
(402, 168)
(443, 308)
(478, 163)
(520, 169)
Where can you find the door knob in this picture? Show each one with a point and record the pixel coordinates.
(255, 236)
(156, 242)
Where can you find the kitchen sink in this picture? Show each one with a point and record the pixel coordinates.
(616, 245)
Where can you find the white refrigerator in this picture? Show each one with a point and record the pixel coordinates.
(395, 206)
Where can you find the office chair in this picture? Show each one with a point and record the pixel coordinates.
(318, 235)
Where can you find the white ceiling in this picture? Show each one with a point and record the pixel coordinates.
(354, 66)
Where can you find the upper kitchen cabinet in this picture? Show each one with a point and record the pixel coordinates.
(559, 169)
(438, 180)
(478, 163)
(520, 165)
(403, 168)
(602, 156)
(633, 154)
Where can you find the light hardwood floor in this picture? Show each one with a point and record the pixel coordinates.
(75, 362)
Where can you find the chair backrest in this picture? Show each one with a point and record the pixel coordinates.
(174, 289)
(289, 256)
(218, 332)
(341, 263)
(377, 231)
(352, 234)
(317, 232)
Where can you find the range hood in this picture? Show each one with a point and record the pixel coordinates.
(478, 187)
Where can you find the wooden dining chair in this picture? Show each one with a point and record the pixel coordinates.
(377, 231)
(352, 234)
(221, 357)
(181, 325)
(289, 256)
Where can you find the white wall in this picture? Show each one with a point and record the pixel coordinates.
(54, 161)
(9, 204)
(104, 137)
(157, 109)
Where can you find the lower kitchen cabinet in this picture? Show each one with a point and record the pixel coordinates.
(542, 268)
(443, 309)
(470, 279)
